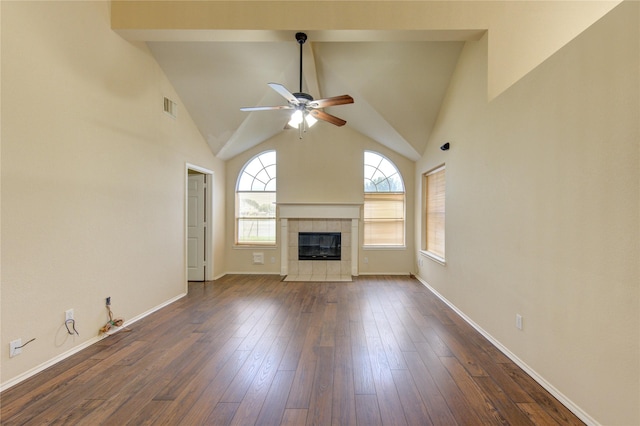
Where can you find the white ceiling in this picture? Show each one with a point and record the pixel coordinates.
(398, 84)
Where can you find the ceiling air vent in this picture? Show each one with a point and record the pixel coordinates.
(170, 107)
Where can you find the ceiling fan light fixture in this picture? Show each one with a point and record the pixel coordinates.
(296, 119)
(310, 119)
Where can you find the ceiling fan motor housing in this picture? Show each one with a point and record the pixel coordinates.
(303, 97)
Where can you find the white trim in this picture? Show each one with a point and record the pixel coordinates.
(284, 252)
(254, 247)
(432, 256)
(253, 273)
(208, 220)
(434, 170)
(198, 169)
(355, 245)
(564, 400)
(397, 274)
(365, 248)
(318, 210)
(37, 369)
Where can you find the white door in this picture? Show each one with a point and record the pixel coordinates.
(195, 228)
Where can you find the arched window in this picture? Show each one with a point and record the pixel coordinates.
(384, 208)
(255, 201)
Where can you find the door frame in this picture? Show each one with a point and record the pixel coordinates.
(208, 217)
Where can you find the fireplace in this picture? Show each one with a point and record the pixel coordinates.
(319, 245)
(296, 218)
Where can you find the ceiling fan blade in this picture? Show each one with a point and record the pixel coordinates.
(336, 100)
(284, 93)
(321, 115)
(266, 108)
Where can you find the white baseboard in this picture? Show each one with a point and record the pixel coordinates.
(24, 376)
(251, 273)
(575, 409)
(32, 372)
(154, 309)
(397, 274)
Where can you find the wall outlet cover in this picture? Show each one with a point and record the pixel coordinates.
(15, 348)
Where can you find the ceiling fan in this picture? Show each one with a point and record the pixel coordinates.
(306, 110)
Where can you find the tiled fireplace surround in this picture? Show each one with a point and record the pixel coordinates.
(297, 217)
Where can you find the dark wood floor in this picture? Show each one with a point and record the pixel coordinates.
(250, 350)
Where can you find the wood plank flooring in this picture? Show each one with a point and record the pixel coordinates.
(247, 350)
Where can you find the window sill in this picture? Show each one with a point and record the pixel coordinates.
(254, 247)
(384, 247)
(433, 257)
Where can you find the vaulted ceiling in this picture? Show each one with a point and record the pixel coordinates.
(395, 59)
(397, 86)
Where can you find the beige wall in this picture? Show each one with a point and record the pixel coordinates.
(543, 196)
(326, 166)
(93, 179)
(543, 211)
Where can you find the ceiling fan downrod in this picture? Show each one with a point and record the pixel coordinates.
(301, 38)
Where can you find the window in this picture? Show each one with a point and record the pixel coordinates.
(255, 201)
(434, 186)
(383, 202)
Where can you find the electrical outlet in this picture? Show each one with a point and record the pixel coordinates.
(108, 301)
(519, 321)
(68, 314)
(366, 260)
(15, 348)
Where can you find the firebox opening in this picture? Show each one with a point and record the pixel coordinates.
(319, 246)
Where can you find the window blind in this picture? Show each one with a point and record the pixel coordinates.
(383, 219)
(435, 212)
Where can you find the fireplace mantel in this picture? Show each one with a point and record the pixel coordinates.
(319, 210)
